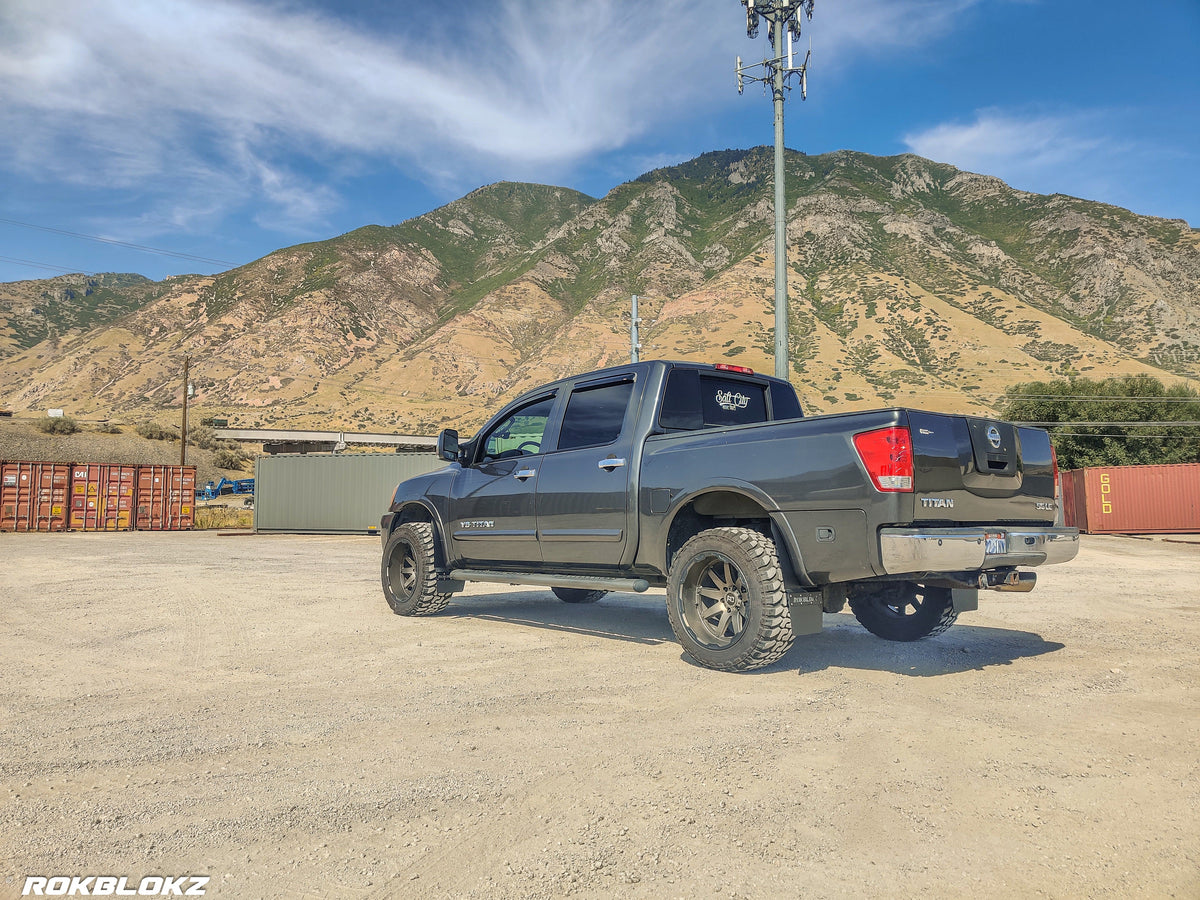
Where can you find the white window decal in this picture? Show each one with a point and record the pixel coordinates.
(729, 400)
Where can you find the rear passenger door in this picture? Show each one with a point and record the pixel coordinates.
(583, 484)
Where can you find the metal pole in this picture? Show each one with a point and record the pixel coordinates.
(634, 345)
(778, 26)
(183, 431)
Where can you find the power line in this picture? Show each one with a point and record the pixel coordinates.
(46, 266)
(103, 240)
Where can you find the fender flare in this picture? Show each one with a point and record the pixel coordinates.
(431, 515)
(795, 573)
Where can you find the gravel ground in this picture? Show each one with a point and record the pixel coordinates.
(247, 708)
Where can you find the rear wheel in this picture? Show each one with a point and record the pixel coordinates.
(903, 610)
(577, 595)
(409, 571)
(726, 600)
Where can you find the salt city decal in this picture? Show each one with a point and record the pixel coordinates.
(937, 502)
(729, 400)
(993, 434)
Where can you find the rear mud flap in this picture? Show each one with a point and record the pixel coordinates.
(806, 608)
(965, 599)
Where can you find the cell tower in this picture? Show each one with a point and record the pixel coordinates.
(783, 18)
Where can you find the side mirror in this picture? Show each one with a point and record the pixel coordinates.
(447, 445)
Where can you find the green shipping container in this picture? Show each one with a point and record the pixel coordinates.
(331, 494)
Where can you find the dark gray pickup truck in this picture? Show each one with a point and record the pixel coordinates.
(708, 481)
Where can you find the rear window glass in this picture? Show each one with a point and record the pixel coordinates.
(692, 400)
(594, 415)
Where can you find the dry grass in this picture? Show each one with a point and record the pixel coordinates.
(209, 517)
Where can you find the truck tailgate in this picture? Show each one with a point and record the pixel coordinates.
(977, 470)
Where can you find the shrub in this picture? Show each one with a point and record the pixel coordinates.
(229, 459)
(156, 432)
(203, 437)
(58, 425)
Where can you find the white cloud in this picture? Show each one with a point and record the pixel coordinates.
(209, 103)
(999, 142)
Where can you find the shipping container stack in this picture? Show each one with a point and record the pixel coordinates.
(43, 496)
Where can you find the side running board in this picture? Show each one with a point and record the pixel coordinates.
(587, 582)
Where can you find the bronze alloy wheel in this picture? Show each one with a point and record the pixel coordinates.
(402, 572)
(714, 601)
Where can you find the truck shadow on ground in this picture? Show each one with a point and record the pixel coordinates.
(842, 644)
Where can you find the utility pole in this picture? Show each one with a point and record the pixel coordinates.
(183, 431)
(634, 342)
(782, 16)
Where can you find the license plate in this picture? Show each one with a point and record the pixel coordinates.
(995, 544)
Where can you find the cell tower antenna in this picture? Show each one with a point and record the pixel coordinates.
(776, 72)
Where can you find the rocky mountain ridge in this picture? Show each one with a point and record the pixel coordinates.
(910, 282)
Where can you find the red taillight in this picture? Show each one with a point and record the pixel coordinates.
(726, 367)
(887, 454)
(1057, 482)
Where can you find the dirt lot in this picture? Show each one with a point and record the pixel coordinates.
(248, 708)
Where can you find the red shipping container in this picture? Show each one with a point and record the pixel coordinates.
(34, 496)
(165, 497)
(102, 497)
(1134, 499)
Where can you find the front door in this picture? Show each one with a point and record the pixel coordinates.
(492, 513)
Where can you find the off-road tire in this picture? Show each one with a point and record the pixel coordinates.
(903, 610)
(409, 571)
(577, 595)
(741, 621)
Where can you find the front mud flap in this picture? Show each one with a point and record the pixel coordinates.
(806, 608)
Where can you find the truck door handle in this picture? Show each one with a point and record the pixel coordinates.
(611, 463)
(522, 474)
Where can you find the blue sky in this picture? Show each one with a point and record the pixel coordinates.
(225, 129)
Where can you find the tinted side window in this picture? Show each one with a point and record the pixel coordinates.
(726, 401)
(784, 402)
(681, 401)
(519, 434)
(594, 415)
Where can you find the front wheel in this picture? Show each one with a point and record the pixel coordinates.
(409, 571)
(727, 602)
(902, 610)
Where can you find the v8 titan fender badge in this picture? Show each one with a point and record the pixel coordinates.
(993, 434)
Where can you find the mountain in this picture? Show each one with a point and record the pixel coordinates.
(909, 282)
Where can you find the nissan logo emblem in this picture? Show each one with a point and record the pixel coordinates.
(994, 436)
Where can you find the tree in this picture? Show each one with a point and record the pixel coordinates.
(1103, 405)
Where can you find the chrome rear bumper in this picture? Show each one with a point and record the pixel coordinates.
(970, 548)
